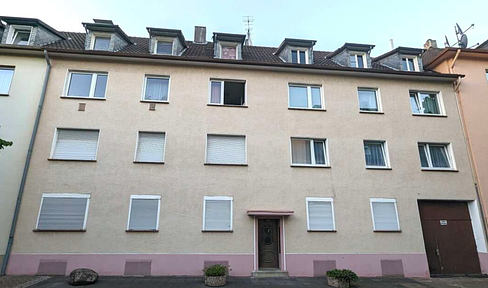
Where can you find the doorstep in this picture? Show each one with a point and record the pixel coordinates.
(270, 273)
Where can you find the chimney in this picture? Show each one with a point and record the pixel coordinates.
(430, 44)
(200, 36)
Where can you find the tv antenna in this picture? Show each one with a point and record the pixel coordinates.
(248, 22)
(462, 38)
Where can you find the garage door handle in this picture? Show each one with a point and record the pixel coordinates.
(436, 251)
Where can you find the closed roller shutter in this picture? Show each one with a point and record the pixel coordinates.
(62, 213)
(226, 149)
(320, 215)
(150, 147)
(218, 215)
(74, 144)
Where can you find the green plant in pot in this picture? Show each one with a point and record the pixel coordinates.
(216, 275)
(341, 278)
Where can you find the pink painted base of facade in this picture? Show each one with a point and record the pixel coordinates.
(483, 262)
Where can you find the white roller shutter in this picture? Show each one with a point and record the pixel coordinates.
(320, 215)
(62, 213)
(385, 216)
(218, 215)
(150, 147)
(74, 144)
(144, 214)
(226, 149)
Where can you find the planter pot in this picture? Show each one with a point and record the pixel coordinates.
(215, 281)
(334, 282)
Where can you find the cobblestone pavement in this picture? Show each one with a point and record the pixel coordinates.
(20, 281)
(238, 282)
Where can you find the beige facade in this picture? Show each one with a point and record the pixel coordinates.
(17, 116)
(267, 182)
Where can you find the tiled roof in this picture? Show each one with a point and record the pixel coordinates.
(430, 55)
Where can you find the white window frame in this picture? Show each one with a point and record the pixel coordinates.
(231, 135)
(64, 195)
(164, 39)
(386, 154)
(222, 88)
(415, 67)
(137, 145)
(229, 44)
(378, 100)
(55, 140)
(298, 54)
(384, 200)
(93, 84)
(145, 84)
(10, 85)
(221, 198)
(12, 33)
(101, 35)
(320, 199)
(312, 152)
(356, 55)
(440, 102)
(309, 96)
(149, 197)
(449, 152)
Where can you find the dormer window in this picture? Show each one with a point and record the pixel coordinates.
(164, 47)
(358, 60)
(163, 41)
(296, 51)
(410, 64)
(19, 35)
(104, 35)
(228, 46)
(299, 56)
(101, 42)
(229, 51)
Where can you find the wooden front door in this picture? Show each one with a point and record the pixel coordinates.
(449, 239)
(269, 243)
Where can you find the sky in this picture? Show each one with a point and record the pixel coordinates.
(331, 23)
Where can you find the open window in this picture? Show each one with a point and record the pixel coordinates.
(6, 76)
(19, 35)
(425, 103)
(436, 156)
(376, 154)
(227, 92)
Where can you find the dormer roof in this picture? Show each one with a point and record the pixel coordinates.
(352, 47)
(164, 32)
(101, 25)
(402, 51)
(227, 37)
(30, 22)
(295, 43)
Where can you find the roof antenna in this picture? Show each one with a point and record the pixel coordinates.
(462, 38)
(248, 22)
(392, 45)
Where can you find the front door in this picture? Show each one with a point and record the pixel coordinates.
(269, 243)
(449, 239)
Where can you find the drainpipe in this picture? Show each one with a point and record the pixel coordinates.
(26, 167)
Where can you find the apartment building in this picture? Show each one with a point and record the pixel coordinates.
(157, 156)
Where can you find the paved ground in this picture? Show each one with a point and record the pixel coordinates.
(20, 281)
(239, 282)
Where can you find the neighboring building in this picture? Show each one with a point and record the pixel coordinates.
(472, 94)
(22, 73)
(158, 156)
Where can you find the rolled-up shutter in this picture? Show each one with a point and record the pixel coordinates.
(150, 147)
(74, 144)
(218, 215)
(144, 214)
(320, 215)
(62, 213)
(226, 149)
(385, 216)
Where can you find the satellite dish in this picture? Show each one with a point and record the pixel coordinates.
(463, 43)
(447, 42)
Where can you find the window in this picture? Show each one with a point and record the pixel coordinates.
(410, 64)
(156, 89)
(19, 35)
(385, 214)
(226, 149)
(425, 103)
(227, 92)
(299, 56)
(217, 213)
(88, 85)
(309, 152)
(436, 156)
(368, 100)
(376, 154)
(486, 71)
(144, 213)
(150, 147)
(358, 60)
(75, 144)
(320, 214)
(305, 97)
(6, 76)
(164, 47)
(101, 43)
(229, 52)
(63, 212)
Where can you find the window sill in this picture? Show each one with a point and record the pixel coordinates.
(223, 164)
(307, 109)
(378, 168)
(309, 166)
(387, 231)
(323, 231)
(154, 101)
(54, 230)
(371, 112)
(217, 231)
(143, 231)
(6, 95)
(439, 170)
(147, 162)
(84, 98)
(73, 160)
(228, 105)
(429, 115)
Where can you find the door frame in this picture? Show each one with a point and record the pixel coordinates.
(281, 239)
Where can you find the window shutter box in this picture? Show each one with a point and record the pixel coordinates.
(62, 213)
(144, 214)
(320, 215)
(218, 215)
(76, 144)
(226, 149)
(385, 217)
(150, 147)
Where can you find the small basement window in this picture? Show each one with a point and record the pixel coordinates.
(227, 92)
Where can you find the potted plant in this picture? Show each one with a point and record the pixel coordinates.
(341, 278)
(216, 275)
